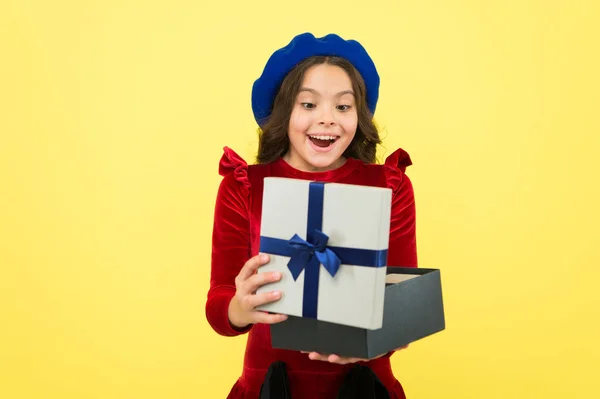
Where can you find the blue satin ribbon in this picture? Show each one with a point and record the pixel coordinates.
(310, 254)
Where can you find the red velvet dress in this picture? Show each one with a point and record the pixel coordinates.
(236, 239)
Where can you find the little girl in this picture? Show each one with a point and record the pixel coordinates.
(314, 104)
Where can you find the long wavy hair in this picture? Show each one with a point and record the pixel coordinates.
(273, 135)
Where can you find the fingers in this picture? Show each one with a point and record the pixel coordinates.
(318, 356)
(243, 306)
(344, 360)
(259, 279)
(252, 265)
(340, 359)
(267, 318)
(252, 301)
(334, 358)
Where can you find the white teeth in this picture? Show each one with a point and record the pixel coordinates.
(323, 137)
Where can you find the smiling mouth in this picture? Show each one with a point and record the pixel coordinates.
(322, 140)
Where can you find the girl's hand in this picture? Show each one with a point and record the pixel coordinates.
(242, 310)
(342, 360)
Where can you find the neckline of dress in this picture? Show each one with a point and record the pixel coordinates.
(329, 175)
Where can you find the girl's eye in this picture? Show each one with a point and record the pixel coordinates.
(343, 107)
(308, 105)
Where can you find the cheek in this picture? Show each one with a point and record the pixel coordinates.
(298, 123)
(350, 124)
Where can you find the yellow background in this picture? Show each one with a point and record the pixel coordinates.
(112, 119)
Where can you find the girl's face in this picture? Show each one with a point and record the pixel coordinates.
(323, 120)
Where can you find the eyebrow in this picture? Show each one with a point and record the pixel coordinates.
(341, 93)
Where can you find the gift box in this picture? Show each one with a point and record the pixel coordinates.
(413, 309)
(330, 243)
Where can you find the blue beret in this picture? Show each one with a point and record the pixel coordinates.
(303, 46)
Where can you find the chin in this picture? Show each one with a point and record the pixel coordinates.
(323, 161)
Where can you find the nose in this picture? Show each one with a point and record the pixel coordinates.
(330, 123)
(326, 118)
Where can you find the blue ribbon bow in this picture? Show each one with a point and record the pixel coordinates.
(308, 254)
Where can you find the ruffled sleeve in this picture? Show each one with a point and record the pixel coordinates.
(230, 240)
(403, 246)
(395, 166)
(232, 163)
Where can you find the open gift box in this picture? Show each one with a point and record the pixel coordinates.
(330, 243)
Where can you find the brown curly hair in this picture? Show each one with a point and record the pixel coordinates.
(273, 135)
